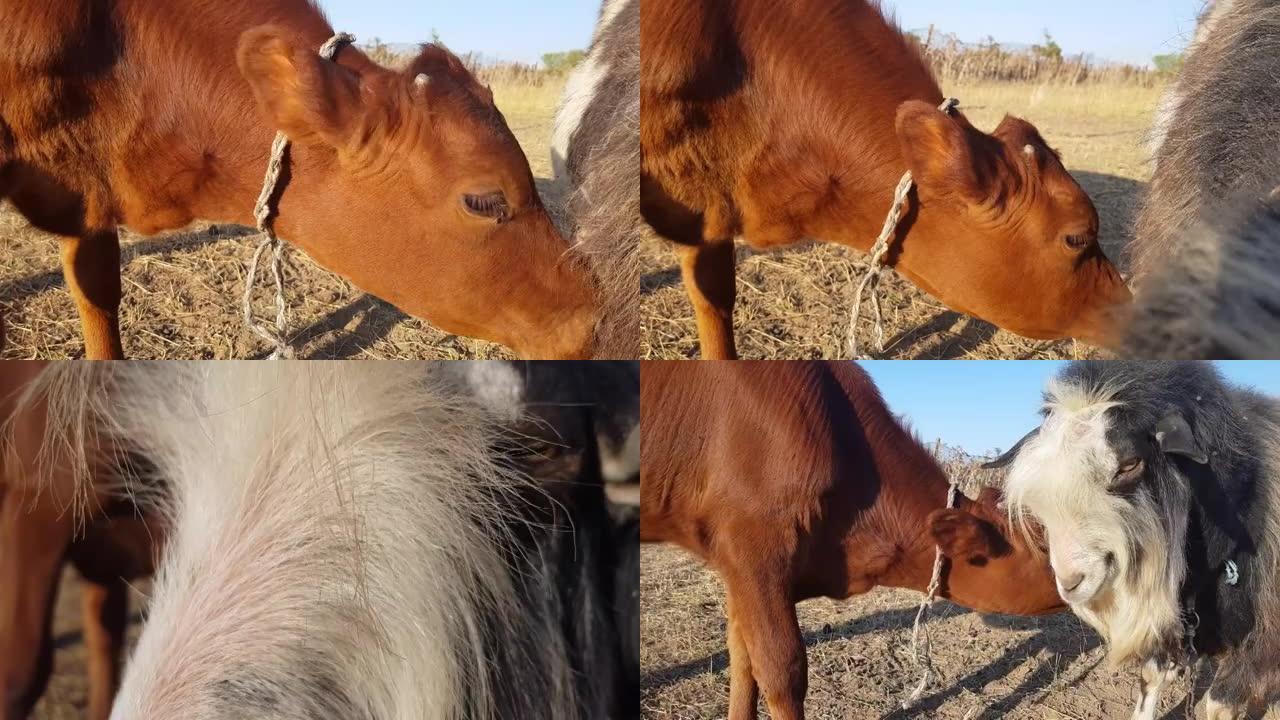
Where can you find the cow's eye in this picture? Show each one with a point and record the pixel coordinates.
(492, 205)
(1077, 242)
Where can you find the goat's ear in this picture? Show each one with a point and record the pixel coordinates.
(1173, 435)
(1011, 453)
(963, 536)
(303, 94)
(941, 155)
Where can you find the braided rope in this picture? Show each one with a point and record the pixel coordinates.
(262, 211)
(879, 251)
(920, 650)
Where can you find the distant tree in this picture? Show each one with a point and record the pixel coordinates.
(435, 38)
(1168, 64)
(562, 62)
(380, 53)
(1050, 50)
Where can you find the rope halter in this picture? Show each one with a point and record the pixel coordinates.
(879, 253)
(262, 212)
(920, 640)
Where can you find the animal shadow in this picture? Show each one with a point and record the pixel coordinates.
(376, 320)
(161, 246)
(867, 624)
(1117, 200)
(1059, 636)
(934, 340)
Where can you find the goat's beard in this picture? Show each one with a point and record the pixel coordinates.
(1138, 613)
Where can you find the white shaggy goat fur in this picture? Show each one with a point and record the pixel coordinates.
(596, 152)
(1182, 558)
(1217, 293)
(1172, 98)
(337, 546)
(1213, 133)
(581, 89)
(1059, 477)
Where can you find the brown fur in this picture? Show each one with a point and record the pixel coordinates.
(793, 480)
(151, 115)
(782, 121)
(38, 534)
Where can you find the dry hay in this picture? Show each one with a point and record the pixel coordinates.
(991, 667)
(987, 667)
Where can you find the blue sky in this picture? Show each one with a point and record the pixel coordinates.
(984, 404)
(1121, 30)
(519, 30)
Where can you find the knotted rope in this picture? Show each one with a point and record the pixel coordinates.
(262, 214)
(879, 251)
(920, 650)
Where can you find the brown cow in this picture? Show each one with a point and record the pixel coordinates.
(410, 184)
(793, 480)
(781, 121)
(40, 530)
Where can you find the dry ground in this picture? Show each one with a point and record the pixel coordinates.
(795, 303)
(182, 291)
(989, 667)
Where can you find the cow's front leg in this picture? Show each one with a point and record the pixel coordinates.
(105, 616)
(91, 267)
(708, 273)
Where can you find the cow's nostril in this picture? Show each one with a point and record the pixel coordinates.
(1071, 582)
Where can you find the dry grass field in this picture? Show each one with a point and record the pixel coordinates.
(987, 667)
(795, 303)
(991, 667)
(182, 291)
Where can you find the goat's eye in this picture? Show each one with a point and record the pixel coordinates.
(1129, 472)
(1077, 242)
(491, 205)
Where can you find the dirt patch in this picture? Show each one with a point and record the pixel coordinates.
(795, 303)
(988, 667)
(182, 290)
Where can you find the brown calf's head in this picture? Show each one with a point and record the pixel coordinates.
(417, 191)
(992, 569)
(1008, 235)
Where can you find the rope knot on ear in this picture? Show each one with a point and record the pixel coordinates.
(878, 254)
(262, 214)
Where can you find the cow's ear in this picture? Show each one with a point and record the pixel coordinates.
(1173, 435)
(943, 157)
(302, 94)
(1011, 453)
(963, 536)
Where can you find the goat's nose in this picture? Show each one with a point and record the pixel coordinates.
(1071, 582)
